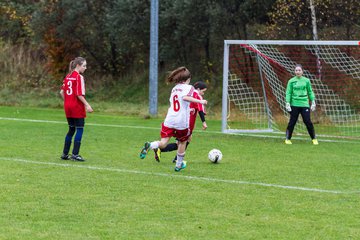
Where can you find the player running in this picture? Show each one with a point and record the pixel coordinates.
(176, 123)
(195, 108)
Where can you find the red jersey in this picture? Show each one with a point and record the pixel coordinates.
(195, 108)
(74, 86)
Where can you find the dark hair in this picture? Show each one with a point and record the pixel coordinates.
(298, 65)
(76, 61)
(179, 75)
(200, 85)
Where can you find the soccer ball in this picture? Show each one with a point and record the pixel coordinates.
(215, 155)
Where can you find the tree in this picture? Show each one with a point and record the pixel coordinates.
(339, 19)
(234, 17)
(291, 19)
(110, 33)
(14, 20)
(128, 27)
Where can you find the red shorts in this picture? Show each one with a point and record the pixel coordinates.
(181, 135)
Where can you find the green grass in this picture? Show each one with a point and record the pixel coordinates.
(262, 189)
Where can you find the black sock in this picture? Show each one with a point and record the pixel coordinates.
(170, 147)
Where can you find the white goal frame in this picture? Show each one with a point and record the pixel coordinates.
(269, 124)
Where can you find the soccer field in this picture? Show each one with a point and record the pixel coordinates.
(262, 189)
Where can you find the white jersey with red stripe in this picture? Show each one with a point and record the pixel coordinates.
(179, 111)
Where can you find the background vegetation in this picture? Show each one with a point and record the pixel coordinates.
(39, 38)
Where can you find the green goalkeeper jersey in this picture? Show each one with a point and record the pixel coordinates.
(299, 92)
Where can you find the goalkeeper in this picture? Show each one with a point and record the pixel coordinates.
(298, 94)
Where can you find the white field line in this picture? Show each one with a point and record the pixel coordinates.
(179, 175)
(158, 128)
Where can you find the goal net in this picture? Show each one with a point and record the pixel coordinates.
(255, 75)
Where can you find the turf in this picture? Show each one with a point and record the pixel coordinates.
(262, 189)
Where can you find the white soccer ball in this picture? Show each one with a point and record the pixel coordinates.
(215, 155)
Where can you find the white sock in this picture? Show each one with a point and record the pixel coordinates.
(180, 158)
(154, 145)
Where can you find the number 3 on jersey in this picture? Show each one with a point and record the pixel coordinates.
(176, 103)
(69, 91)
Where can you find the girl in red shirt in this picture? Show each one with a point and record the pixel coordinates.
(75, 106)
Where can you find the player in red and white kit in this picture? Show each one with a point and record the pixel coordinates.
(75, 106)
(177, 121)
(195, 109)
(198, 108)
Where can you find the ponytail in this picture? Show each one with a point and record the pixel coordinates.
(179, 75)
(75, 62)
(71, 66)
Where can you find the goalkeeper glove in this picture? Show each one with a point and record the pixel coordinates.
(288, 108)
(313, 105)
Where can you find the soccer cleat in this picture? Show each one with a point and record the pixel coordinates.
(144, 150)
(315, 141)
(157, 152)
(65, 156)
(77, 158)
(183, 165)
(287, 141)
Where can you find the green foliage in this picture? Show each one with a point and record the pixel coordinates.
(26, 81)
(15, 17)
(128, 27)
(346, 21)
(113, 35)
(292, 20)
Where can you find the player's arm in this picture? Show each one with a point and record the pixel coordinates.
(310, 91)
(62, 94)
(202, 117)
(192, 99)
(288, 92)
(87, 105)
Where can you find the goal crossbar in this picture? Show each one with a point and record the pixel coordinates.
(294, 42)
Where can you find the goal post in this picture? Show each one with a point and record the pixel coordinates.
(255, 75)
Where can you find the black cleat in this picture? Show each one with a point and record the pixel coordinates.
(65, 156)
(77, 158)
